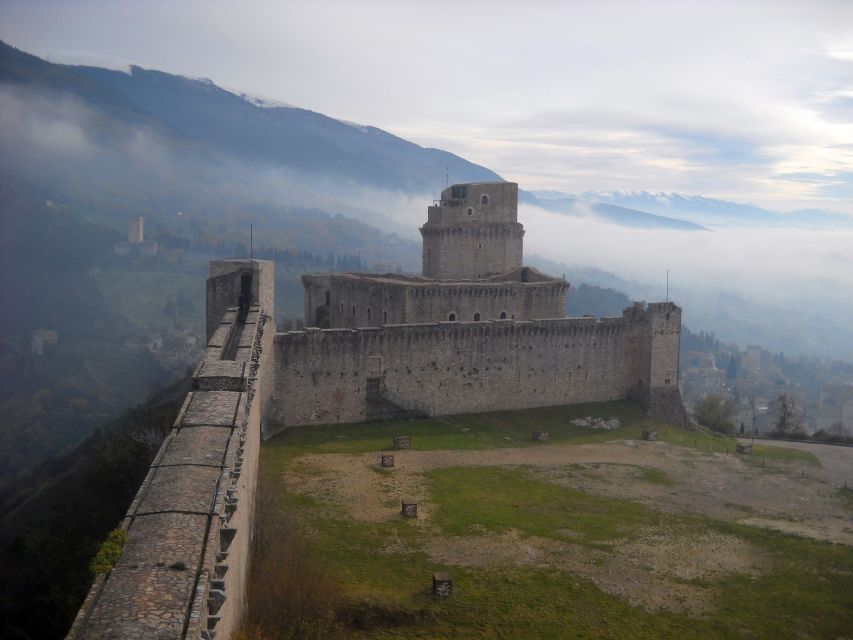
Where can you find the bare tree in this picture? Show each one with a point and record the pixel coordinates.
(150, 436)
(788, 418)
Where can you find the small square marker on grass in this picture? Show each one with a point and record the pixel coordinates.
(651, 436)
(409, 509)
(402, 442)
(386, 460)
(442, 584)
(541, 436)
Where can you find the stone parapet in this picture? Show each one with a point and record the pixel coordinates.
(183, 568)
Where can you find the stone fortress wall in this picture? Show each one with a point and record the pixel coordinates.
(345, 375)
(363, 300)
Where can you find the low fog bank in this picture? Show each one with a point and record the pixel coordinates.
(782, 288)
(55, 146)
(785, 289)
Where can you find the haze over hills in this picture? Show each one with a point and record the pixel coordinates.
(201, 164)
(197, 118)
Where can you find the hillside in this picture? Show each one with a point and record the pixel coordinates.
(53, 519)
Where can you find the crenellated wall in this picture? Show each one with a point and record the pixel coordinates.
(447, 368)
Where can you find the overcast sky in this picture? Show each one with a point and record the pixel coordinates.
(750, 101)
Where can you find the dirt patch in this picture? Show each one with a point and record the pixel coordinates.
(791, 497)
(656, 569)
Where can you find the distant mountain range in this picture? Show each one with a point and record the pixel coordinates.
(706, 211)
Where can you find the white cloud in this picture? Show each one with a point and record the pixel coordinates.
(570, 96)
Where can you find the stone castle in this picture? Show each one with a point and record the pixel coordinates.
(477, 332)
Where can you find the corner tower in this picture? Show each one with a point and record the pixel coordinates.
(473, 232)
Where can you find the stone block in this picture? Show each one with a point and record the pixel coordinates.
(212, 408)
(650, 435)
(541, 436)
(409, 509)
(442, 584)
(402, 442)
(386, 460)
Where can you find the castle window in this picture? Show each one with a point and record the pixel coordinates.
(503, 315)
(353, 311)
(328, 298)
(477, 317)
(459, 192)
(666, 381)
(368, 313)
(470, 211)
(484, 199)
(451, 317)
(667, 316)
(384, 317)
(342, 308)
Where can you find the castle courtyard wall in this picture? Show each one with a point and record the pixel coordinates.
(321, 376)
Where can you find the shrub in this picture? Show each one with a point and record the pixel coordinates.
(716, 412)
(290, 597)
(109, 552)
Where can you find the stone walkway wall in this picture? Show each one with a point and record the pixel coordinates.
(183, 569)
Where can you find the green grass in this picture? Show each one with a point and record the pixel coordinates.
(772, 457)
(385, 570)
(653, 475)
(492, 431)
(471, 499)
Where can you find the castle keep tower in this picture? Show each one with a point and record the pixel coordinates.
(473, 232)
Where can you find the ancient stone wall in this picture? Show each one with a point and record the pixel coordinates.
(362, 301)
(473, 232)
(322, 376)
(224, 287)
(183, 570)
(471, 251)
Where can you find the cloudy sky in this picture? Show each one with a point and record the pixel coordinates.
(750, 101)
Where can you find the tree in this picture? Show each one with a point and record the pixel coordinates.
(716, 412)
(732, 369)
(788, 418)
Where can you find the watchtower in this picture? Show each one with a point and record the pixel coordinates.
(473, 232)
(238, 282)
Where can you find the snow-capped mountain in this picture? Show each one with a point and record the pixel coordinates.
(713, 212)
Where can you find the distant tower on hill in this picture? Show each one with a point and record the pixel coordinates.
(473, 232)
(136, 231)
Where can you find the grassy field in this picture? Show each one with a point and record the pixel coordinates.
(380, 570)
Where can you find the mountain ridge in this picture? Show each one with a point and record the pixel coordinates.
(220, 122)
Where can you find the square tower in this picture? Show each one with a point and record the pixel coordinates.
(473, 232)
